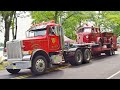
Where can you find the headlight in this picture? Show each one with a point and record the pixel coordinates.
(87, 36)
(25, 52)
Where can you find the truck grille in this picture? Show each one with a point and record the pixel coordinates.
(14, 51)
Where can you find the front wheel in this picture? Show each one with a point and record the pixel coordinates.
(39, 65)
(13, 71)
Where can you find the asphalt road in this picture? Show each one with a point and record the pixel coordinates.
(104, 67)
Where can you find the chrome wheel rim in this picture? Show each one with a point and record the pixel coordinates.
(79, 57)
(40, 65)
(87, 55)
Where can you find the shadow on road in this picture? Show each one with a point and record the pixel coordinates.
(96, 59)
(55, 70)
(104, 57)
(48, 75)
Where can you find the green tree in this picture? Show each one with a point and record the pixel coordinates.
(70, 25)
(7, 18)
(112, 21)
(40, 16)
(70, 19)
(106, 20)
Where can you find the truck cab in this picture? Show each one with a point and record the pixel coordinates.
(88, 35)
(44, 37)
(42, 45)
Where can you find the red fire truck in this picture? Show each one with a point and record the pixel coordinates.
(104, 42)
(45, 46)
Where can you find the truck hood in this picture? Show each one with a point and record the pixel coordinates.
(31, 43)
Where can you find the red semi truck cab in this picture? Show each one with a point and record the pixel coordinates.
(45, 39)
(43, 36)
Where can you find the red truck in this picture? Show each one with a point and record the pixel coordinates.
(45, 46)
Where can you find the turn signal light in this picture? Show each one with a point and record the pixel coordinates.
(30, 52)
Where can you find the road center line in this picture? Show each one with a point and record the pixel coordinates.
(22, 77)
(113, 75)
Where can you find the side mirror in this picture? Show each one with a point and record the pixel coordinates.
(52, 33)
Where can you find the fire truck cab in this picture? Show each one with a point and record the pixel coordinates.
(88, 35)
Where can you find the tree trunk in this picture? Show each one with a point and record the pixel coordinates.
(56, 16)
(7, 27)
(14, 26)
(7, 20)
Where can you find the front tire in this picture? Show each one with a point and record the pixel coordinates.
(13, 71)
(78, 58)
(39, 65)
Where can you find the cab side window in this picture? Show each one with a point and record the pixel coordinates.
(51, 31)
(54, 30)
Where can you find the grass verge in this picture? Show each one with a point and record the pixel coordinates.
(3, 64)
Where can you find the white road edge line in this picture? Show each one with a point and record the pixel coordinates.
(113, 75)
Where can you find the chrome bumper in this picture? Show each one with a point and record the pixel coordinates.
(25, 63)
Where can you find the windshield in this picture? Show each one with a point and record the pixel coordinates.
(84, 30)
(87, 29)
(37, 31)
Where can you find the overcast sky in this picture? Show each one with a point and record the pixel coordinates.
(23, 25)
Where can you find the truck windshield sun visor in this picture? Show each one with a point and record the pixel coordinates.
(41, 27)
